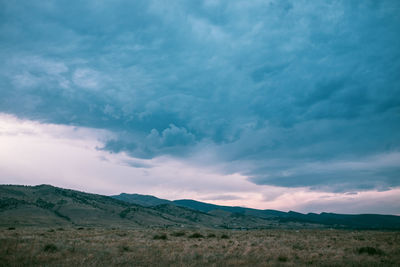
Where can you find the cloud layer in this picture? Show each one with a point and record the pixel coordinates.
(286, 93)
(66, 156)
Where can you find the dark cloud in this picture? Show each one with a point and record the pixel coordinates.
(269, 85)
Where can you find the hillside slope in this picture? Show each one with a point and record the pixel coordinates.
(143, 200)
(359, 221)
(45, 205)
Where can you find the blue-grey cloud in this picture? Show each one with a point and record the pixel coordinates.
(136, 164)
(272, 85)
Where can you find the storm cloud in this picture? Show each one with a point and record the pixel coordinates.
(287, 93)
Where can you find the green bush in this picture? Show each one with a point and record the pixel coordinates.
(50, 248)
(160, 237)
(178, 234)
(370, 251)
(282, 258)
(196, 235)
(124, 248)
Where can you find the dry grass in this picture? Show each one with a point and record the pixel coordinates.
(111, 247)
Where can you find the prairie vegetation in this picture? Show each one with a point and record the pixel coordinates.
(196, 247)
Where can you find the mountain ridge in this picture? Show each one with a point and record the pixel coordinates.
(357, 221)
(49, 206)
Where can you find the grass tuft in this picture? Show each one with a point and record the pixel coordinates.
(282, 258)
(196, 235)
(124, 248)
(178, 233)
(224, 236)
(160, 237)
(50, 248)
(370, 251)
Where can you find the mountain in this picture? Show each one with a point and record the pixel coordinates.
(360, 221)
(149, 201)
(143, 200)
(48, 206)
(206, 207)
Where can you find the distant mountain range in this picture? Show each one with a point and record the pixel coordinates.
(49, 206)
(360, 221)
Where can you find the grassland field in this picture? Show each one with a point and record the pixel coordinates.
(196, 247)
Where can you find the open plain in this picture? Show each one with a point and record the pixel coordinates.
(196, 247)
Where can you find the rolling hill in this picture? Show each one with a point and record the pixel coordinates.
(360, 221)
(49, 206)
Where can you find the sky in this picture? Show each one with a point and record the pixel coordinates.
(290, 105)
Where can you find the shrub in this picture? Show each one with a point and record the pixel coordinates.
(211, 235)
(224, 236)
(122, 234)
(11, 228)
(160, 237)
(123, 213)
(178, 234)
(72, 249)
(50, 248)
(297, 246)
(282, 258)
(124, 248)
(196, 235)
(370, 251)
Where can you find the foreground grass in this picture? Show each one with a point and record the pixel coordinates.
(161, 247)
